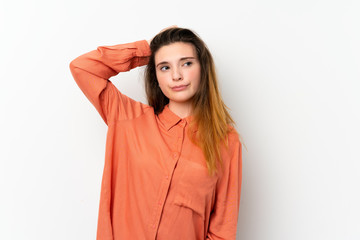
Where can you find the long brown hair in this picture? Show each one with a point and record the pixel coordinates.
(209, 112)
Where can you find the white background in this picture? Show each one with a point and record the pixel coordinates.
(289, 71)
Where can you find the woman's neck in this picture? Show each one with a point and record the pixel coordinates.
(183, 110)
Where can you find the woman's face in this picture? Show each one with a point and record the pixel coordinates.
(178, 71)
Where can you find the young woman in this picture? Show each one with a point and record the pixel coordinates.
(172, 166)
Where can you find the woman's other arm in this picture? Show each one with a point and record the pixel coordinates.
(224, 217)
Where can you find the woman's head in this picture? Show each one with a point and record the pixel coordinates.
(209, 113)
(179, 58)
(178, 73)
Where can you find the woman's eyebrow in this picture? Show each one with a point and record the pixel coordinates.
(181, 59)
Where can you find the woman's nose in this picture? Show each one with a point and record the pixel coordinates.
(176, 74)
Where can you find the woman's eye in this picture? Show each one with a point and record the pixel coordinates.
(164, 68)
(187, 63)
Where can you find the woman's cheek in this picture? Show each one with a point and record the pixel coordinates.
(194, 76)
(163, 84)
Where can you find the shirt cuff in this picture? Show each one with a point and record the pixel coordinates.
(143, 48)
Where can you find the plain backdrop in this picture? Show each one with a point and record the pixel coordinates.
(288, 70)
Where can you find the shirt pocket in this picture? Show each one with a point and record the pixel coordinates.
(196, 189)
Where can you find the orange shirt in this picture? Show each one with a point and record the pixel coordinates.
(155, 182)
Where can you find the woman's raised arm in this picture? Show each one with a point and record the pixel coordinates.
(92, 71)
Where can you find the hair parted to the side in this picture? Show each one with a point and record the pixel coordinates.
(209, 112)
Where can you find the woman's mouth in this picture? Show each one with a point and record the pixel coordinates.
(179, 88)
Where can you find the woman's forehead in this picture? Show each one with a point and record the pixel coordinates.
(175, 51)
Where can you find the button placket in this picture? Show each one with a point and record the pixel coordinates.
(175, 155)
(160, 203)
(179, 140)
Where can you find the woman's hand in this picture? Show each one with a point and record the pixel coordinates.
(172, 26)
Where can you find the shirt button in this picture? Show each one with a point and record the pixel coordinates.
(175, 155)
(166, 177)
(159, 203)
(154, 226)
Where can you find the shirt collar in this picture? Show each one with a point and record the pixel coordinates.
(170, 119)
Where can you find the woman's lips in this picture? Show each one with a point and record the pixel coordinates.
(179, 88)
